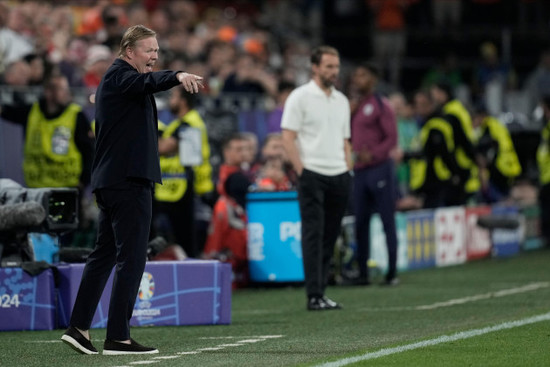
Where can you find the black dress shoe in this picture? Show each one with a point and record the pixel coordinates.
(77, 341)
(114, 348)
(322, 303)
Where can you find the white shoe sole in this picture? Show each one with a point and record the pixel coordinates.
(108, 352)
(76, 345)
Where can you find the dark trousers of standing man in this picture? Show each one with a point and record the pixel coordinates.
(181, 217)
(323, 200)
(122, 237)
(374, 188)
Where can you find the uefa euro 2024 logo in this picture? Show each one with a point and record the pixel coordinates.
(146, 287)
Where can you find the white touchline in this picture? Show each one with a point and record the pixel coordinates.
(458, 301)
(242, 336)
(501, 293)
(439, 340)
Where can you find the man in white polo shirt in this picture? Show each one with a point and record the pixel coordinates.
(316, 132)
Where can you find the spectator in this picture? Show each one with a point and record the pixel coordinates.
(272, 176)
(234, 155)
(435, 174)
(447, 13)
(227, 235)
(17, 74)
(14, 45)
(72, 64)
(273, 148)
(537, 83)
(250, 163)
(390, 36)
(492, 76)
(373, 137)
(499, 160)
(407, 137)
(37, 67)
(175, 198)
(248, 77)
(98, 60)
(445, 69)
(274, 118)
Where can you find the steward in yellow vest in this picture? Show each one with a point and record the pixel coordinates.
(58, 147)
(459, 118)
(175, 198)
(175, 176)
(435, 173)
(496, 149)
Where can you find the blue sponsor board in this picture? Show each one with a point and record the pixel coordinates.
(26, 302)
(274, 237)
(421, 251)
(506, 242)
(190, 292)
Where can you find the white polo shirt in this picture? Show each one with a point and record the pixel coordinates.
(322, 123)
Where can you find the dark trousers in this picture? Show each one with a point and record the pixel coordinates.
(323, 201)
(544, 202)
(181, 218)
(122, 237)
(374, 189)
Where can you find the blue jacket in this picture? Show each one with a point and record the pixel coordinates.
(126, 125)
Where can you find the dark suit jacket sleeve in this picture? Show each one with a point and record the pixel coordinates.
(130, 81)
(16, 114)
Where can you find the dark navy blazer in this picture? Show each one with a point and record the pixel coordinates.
(126, 125)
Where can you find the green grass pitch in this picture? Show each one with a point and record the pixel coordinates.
(410, 323)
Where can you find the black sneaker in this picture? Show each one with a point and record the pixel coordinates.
(332, 304)
(113, 348)
(322, 303)
(77, 341)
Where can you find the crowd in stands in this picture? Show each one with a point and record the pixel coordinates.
(262, 48)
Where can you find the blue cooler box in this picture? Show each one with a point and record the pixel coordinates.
(274, 237)
(27, 302)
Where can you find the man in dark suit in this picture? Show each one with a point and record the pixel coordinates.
(125, 167)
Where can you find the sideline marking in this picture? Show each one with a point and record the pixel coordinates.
(439, 340)
(502, 293)
(458, 301)
(242, 336)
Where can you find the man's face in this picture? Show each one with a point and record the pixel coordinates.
(438, 95)
(144, 55)
(274, 148)
(235, 152)
(328, 69)
(363, 80)
(58, 93)
(422, 105)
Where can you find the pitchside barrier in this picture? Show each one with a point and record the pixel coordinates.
(189, 292)
(426, 238)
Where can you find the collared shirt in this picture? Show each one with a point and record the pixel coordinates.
(374, 129)
(322, 123)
